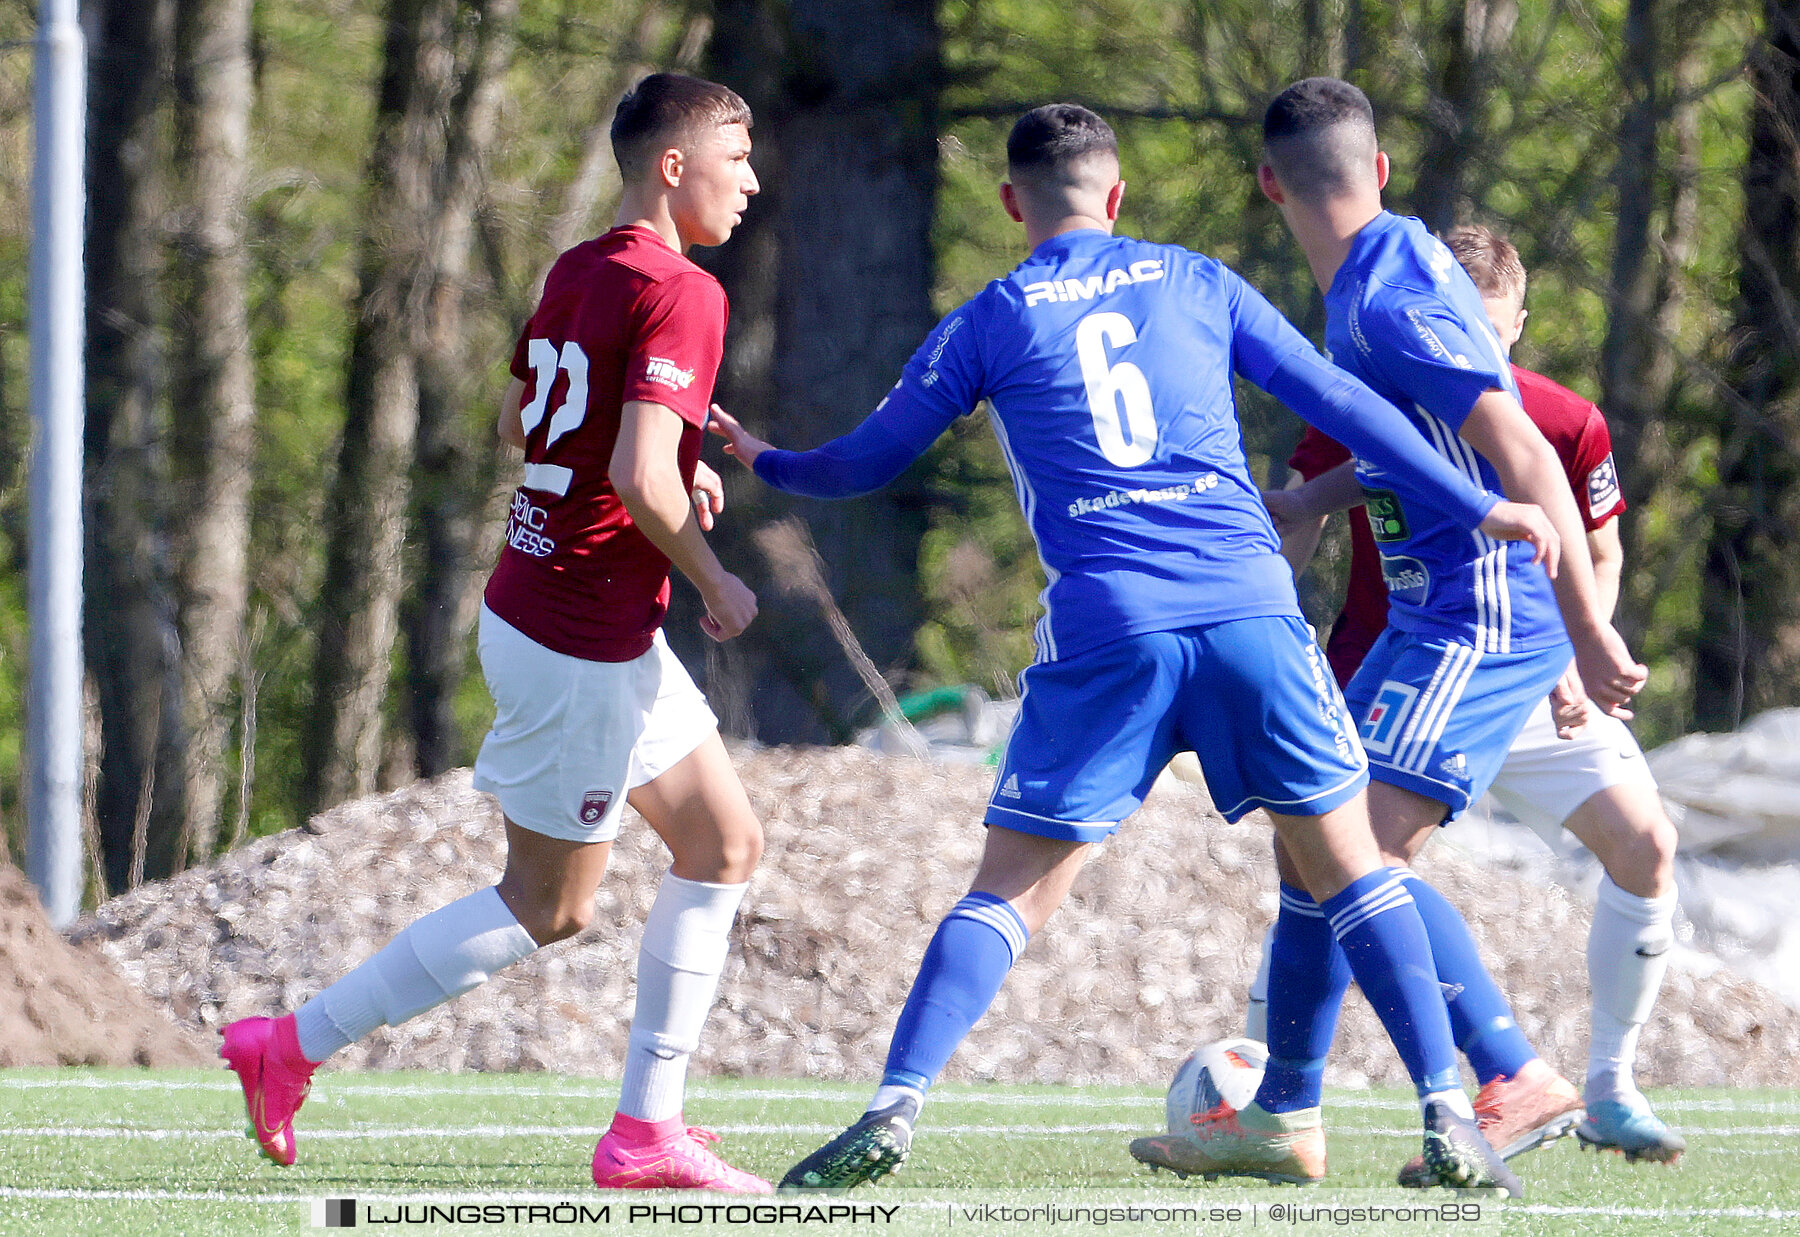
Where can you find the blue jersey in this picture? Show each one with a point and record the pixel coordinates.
(1404, 317)
(1107, 365)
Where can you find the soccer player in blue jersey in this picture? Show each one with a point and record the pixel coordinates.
(1477, 633)
(1170, 623)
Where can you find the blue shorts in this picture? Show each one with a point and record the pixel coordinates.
(1253, 698)
(1437, 717)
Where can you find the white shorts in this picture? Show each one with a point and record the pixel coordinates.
(571, 737)
(1546, 778)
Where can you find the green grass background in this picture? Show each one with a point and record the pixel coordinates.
(184, 1168)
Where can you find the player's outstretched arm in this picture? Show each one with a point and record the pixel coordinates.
(941, 383)
(1332, 491)
(1529, 469)
(1299, 509)
(645, 473)
(739, 442)
(1268, 351)
(1298, 528)
(865, 459)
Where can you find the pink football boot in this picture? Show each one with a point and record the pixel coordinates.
(666, 1155)
(265, 1052)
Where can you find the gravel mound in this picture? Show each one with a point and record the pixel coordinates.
(64, 1006)
(1151, 954)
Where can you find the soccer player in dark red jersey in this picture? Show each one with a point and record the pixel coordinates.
(612, 382)
(1592, 778)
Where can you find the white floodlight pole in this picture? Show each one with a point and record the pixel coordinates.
(58, 219)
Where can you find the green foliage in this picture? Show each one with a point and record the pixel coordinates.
(1184, 84)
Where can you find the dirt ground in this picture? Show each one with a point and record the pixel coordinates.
(64, 1006)
(1150, 956)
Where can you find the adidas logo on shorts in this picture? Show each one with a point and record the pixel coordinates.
(1011, 789)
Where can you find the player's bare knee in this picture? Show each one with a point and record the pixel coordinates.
(547, 917)
(1652, 855)
(740, 850)
(564, 921)
(1398, 848)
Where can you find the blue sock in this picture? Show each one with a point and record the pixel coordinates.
(963, 968)
(1479, 1014)
(1308, 974)
(1385, 941)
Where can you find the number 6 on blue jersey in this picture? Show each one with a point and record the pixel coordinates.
(1118, 395)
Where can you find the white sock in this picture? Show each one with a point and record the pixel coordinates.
(1256, 1018)
(890, 1093)
(686, 937)
(1456, 1101)
(1628, 955)
(438, 957)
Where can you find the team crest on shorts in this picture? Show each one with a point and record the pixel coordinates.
(593, 806)
(1381, 727)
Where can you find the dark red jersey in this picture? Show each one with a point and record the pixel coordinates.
(1576, 428)
(1365, 600)
(1573, 425)
(623, 317)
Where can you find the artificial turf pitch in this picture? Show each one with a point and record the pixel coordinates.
(163, 1152)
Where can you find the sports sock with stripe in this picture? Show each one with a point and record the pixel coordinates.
(963, 968)
(1627, 956)
(1479, 1014)
(435, 958)
(1378, 929)
(1307, 976)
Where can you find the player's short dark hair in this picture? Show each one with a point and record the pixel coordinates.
(1057, 135)
(1319, 137)
(667, 109)
(1490, 259)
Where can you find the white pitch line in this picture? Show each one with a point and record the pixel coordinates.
(532, 1131)
(363, 1133)
(1657, 1213)
(329, 1085)
(591, 1200)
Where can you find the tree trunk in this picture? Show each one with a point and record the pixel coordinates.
(1653, 241)
(450, 493)
(1473, 35)
(439, 64)
(830, 280)
(130, 633)
(1633, 369)
(213, 413)
(1748, 659)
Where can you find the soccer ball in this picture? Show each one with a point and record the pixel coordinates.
(1227, 1069)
